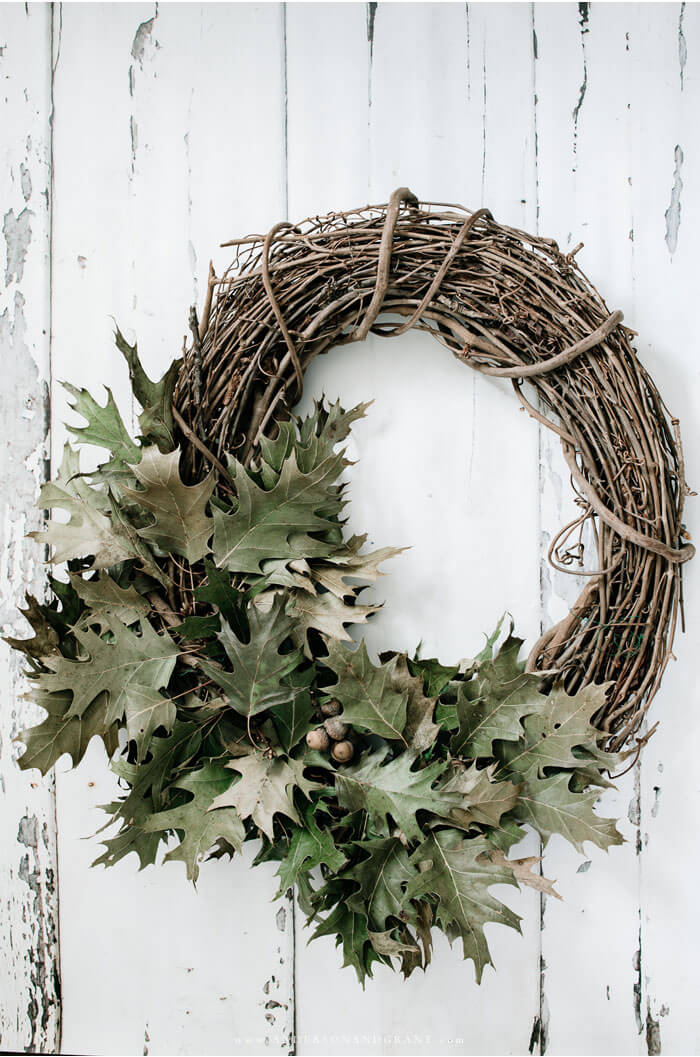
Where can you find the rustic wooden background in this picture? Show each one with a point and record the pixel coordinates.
(134, 139)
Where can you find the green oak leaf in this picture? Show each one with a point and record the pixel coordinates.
(156, 398)
(366, 691)
(148, 782)
(492, 705)
(394, 791)
(561, 725)
(89, 532)
(61, 732)
(324, 612)
(347, 564)
(450, 869)
(484, 798)
(276, 523)
(130, 670)
(258, 680)
(105, 428)
(264, 789)
(195, 628)
(181, 525)
(200, 820)
(310, 846)
(312, 439)
(436, 676)
(104, 598)
(420, 732)
(350, 931)
(550, 806)
(382, 878)
(147, 710)
(218, 591)
(45, 639)
(140, 549)
(292, 719)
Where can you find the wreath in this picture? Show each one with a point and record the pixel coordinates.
(201, 629)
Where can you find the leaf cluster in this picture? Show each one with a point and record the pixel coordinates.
(200, 629)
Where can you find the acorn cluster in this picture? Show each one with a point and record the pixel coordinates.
(333, 734)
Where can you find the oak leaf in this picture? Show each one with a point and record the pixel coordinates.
(264, 789)
(63, 732)
(88, 532)
(451, 869)
(277, 523)
(381, 879)
(181, 524)
(492, 705)
(258, 680)
(201, 821)
(366, 691)
(310, 846)
(394, 791)
(130, 670)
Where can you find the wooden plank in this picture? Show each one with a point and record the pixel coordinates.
(665, 53)
(29, 971)
(608, 83)
(29, 977)
(425, 80)
(156, 140)
(582, 85)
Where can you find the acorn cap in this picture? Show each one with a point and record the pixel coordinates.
(336, 728)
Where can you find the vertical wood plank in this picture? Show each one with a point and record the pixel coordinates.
(665, 53)
(582, 84)
(169, 138)
(29, 970)
(428, 452)
(608, 84)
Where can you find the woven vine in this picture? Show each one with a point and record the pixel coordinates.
(511, 306)
(201, 630)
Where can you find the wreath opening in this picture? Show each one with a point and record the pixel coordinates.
(202, 630)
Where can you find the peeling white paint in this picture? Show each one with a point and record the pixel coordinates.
(673, 213)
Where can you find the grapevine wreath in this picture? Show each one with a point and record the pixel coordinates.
(201, 628)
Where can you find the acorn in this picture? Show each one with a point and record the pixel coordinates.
(343, 751)
(318, 739)
(335, 728)
(331, 708)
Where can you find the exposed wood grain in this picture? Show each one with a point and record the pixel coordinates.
(29, 969)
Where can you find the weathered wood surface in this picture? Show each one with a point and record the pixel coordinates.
(174, 127)
(29, 961)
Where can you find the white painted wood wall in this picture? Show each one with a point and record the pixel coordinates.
(133, 140)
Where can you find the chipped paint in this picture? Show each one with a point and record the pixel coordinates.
(18, 234)
(682, 47)
(141, 38)
(583, 17)
(653, 1033)
(29, 969)
(371, 15)
(637, 985)
(673, 213)
(657, 798)
(33, 957)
